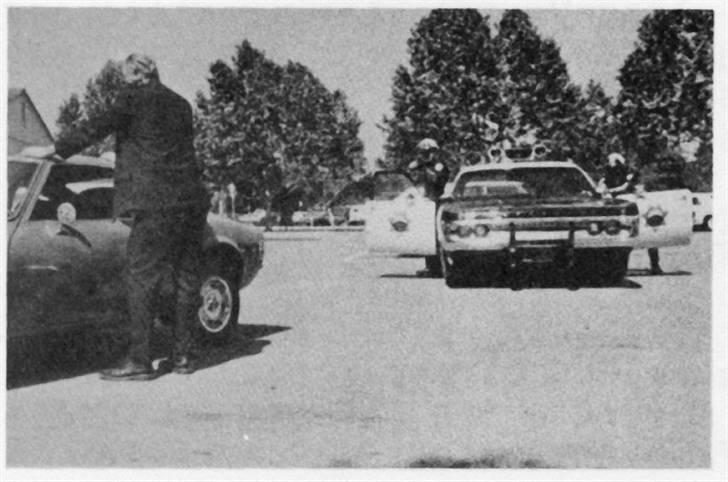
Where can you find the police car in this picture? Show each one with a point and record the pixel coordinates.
(497, 217)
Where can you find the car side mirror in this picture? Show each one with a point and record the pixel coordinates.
(66, 214)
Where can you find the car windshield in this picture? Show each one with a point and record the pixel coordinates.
(88, 188)
(19, 177)
(537, 182)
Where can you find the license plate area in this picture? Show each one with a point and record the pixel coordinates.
(540, 254)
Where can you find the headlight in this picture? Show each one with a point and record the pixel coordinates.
(612, 227)
(481, 230)
(594, 228)
(464, 231)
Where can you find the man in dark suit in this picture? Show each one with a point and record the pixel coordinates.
(159, 189)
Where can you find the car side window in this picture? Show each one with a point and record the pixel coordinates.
(88, 188)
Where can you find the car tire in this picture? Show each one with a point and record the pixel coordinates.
(615, 265)
(708, 223)
(455, 272)
(600, 267)
(217, 316)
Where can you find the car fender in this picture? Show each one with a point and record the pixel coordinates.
(665, 217)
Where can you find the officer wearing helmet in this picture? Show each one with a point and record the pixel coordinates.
(433, 171)
(618, 178)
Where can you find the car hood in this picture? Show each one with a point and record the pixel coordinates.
(527, 207)
(242, 234)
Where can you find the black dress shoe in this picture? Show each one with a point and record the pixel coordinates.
(129, 370)
(184, 365)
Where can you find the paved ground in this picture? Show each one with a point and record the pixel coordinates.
(351, 361)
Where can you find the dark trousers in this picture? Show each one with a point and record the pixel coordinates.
(164, 246)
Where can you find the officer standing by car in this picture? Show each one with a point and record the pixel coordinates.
(159, 189)
(618, 178)
(434, 175)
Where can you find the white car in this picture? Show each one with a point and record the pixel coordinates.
(703, 210)
(523, 204)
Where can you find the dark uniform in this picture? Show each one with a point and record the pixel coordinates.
(615, 176)
(435, 176)
(159, 187)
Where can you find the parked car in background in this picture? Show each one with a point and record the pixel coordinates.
(255, 217)
(312, 217)
(66, 254)
(703, 210)
(353, 204)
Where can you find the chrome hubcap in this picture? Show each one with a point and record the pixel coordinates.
(217, 304)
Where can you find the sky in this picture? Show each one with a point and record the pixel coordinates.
(52, 52)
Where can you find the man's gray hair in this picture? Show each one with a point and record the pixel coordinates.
(144, 65)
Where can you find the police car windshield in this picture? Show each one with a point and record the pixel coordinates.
(533, 182)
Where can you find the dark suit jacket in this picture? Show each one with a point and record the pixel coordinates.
(155, 159)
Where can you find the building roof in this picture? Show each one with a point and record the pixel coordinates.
(15, 92)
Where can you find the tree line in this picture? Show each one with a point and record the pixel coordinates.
(278, 134)
(467, 88)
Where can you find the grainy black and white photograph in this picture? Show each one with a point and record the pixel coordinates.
(437, 241)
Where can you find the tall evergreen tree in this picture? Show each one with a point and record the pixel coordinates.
(100, 93)
(444, 93)
(597, 129)
(467, 90)
(536, 100)
(665, 104)
(275, 131)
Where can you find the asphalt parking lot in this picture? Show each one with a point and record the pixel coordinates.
(346, 360)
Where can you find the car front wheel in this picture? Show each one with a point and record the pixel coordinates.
(455, 271)
(220, 303)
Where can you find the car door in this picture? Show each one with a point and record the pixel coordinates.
(403, 226)
(63, 272)
(666, 218)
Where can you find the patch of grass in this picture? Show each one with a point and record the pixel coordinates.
(495, 461)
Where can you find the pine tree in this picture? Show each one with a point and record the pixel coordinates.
(100, 93)
(596, 128)
(536, 101)
(665, 104)
(467, 90)
(444, 93)
(276, 132)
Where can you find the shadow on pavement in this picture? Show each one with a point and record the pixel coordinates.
(292, 238)
(530, 278)
(646, 272)
(57, 357)
(540, 280)
(417, 275)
